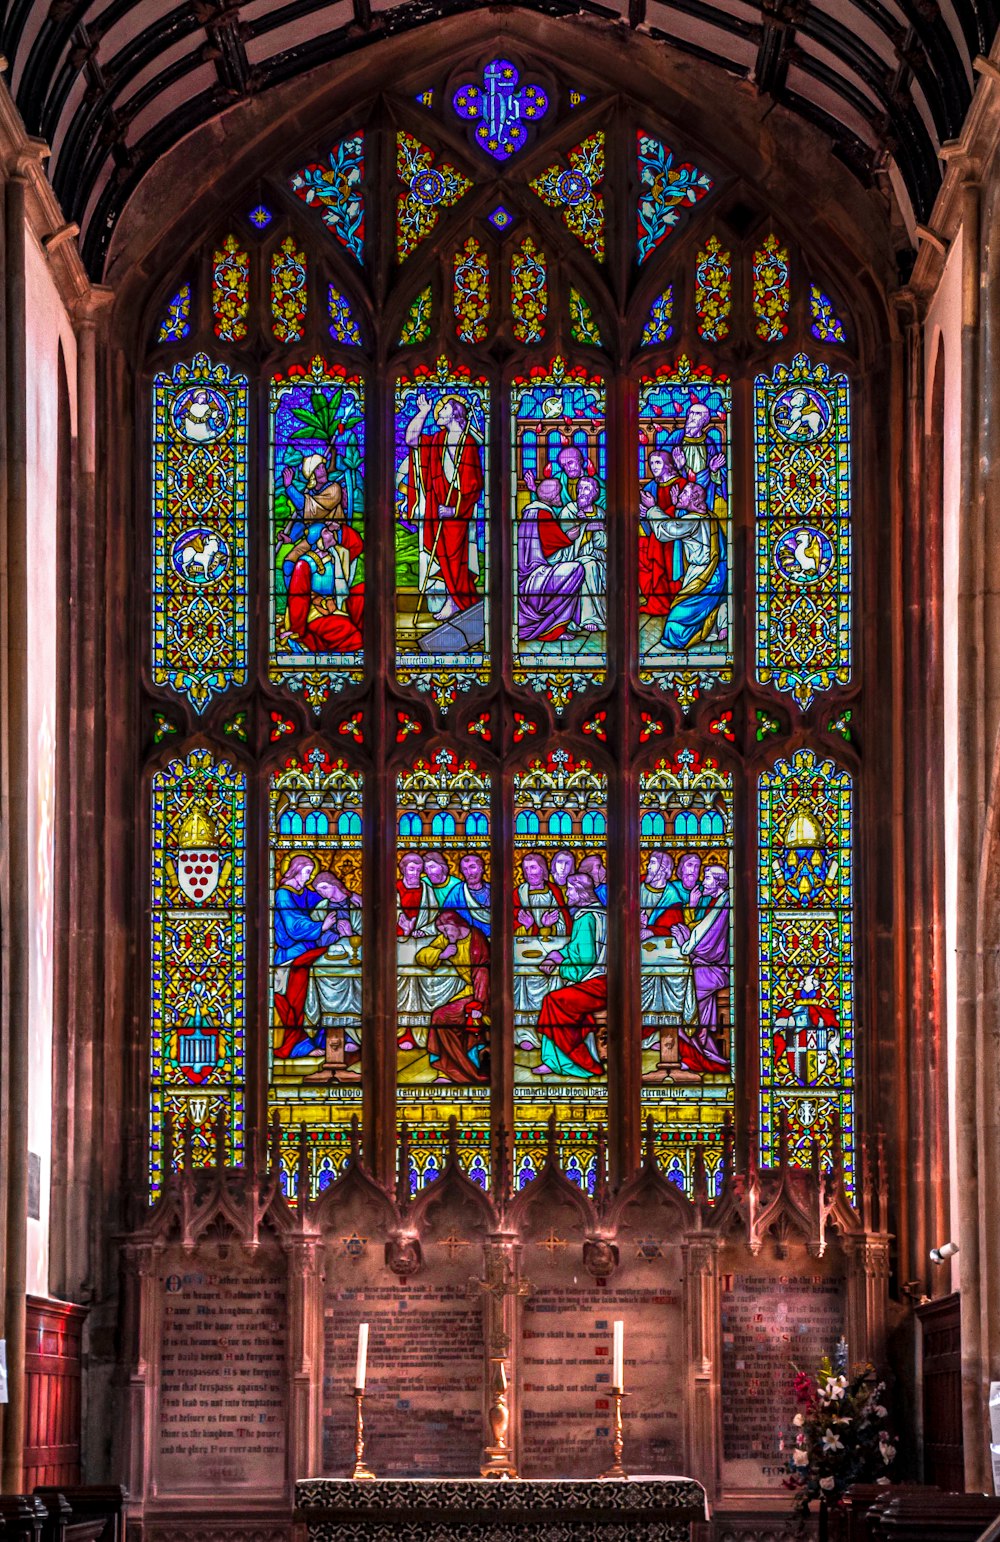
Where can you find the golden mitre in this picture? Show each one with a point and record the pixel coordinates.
(197, 833)
(802, 832)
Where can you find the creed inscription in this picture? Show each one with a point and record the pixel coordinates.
(222, 1380)
(770, 1325)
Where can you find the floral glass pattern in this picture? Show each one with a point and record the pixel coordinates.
(288, 292)
(318, 529)
(500, 109)
(314, 843)
(230, 291)
(805, 887)
(685, 572)
(713, 291)
(471, 292)
(176, 324)
(336, 191)
(343, 327)
(199, 530)
(827, 326)
(666, 189)
(427, 189)
(560, 964)
(197, 959)
(574, 191)
(660, 327)
(417, 326)
(442, 561)
(444, 922)
(802, 447)
(559, 462)
(772, 290)
(529, 292)
(582, 323)
(686, 941)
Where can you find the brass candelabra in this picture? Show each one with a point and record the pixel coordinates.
(498, 1461)
(616, 1470)
(361, 1473)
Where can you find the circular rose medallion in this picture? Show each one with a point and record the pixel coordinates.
(428, 187)
(801, 415)
(200, 414)
(200, 556)
(803, 555)
(573, 187)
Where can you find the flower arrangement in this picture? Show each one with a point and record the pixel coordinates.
(840, 1433)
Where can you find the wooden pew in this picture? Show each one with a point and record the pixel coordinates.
(936, 1517)
(93, 1512)
(21, 1518)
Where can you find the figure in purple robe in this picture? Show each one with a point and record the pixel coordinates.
(708, 949)
(548, 584)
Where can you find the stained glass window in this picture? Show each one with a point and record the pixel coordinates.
(686, 941)
(561, 1038)
(713, 290)
(802, 444)
(343, 327)
(288, 292)
(685, 571)
(772, 290)
(442, 520)
(529, 293)
(583, 327)
(666, 189)
(315, 833)
(336, 192)
(805, 890)
(427, 189)
(560, 531)
(574, 190)
(197, 958)
(500, 110)
(511, 696)
(826, 324)
(444, 924)
(659, 328)
(417, 326)
(318, 529)
(176, 324)
(199, 530)
(230, 291)
(472, 292)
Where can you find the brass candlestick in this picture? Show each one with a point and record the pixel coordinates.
(498, 1461)
(361, 1472)
(616, 1470)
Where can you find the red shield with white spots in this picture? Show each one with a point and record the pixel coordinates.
(198, 873)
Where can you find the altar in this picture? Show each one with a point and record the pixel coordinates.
(647, 1508)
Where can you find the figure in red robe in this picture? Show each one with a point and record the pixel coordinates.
(661, 565)
(444, 488)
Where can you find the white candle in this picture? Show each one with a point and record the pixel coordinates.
(618, 1370)
(361, 1369)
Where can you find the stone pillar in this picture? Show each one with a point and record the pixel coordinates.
(867, 1256)
(305, 1354)
(704, 1354)
(14, 821)
(141, 1338)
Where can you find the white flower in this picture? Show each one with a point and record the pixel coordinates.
(888, 1452)
(883, 1481)
(826, 1483)
(832, 1442)
(800, 1457)
(836, 1387)
(880, 1412)
(798, 1421)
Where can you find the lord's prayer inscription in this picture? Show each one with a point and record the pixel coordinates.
(222, 1419)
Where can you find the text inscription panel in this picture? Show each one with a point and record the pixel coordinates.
(770, 1328)
(423, 1403)
(566, 1371)
(222, 1380)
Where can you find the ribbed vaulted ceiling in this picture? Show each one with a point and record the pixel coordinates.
(112, 86)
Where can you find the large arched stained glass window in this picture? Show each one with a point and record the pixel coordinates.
(500, 771)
